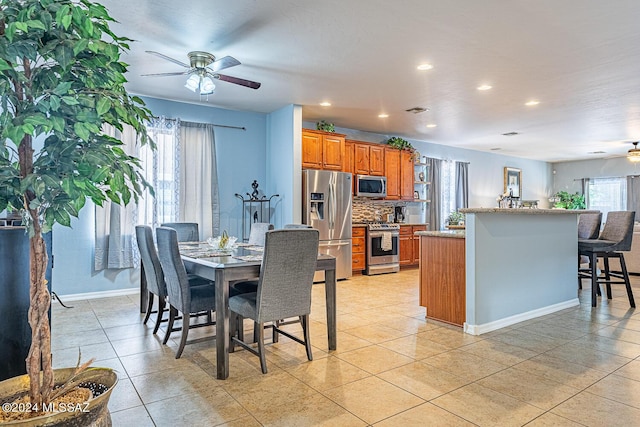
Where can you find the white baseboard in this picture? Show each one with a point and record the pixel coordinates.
(512, 320)
(102, 294)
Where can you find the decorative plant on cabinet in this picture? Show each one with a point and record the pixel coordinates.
(61, 80)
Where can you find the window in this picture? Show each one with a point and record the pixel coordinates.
(162, 171)
(607, 194)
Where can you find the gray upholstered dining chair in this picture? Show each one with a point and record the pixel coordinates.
(187, 231)
(615, 238)
(256, 235)
(181, 296)
(284, 287)
(152, 272)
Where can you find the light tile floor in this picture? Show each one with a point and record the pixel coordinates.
(580, 366)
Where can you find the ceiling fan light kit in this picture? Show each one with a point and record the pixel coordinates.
(634, 153)
(202, 70)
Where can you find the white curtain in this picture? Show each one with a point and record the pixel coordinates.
(162, 170)
(115, 245)
(447, 191)
(198, 199)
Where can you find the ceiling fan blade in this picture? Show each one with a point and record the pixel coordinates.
(238, 81)
(222, 63)
(179, 73)
(168, 58)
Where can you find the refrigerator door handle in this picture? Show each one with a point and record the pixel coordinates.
(326, 245)
(332, 203)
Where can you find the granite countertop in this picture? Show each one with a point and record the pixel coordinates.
(520, 211)
(456, 234)
(364, 224)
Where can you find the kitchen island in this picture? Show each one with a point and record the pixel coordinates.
(519, 264)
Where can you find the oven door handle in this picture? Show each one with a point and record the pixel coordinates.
(379, 234)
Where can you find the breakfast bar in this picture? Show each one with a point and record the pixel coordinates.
(519, 264)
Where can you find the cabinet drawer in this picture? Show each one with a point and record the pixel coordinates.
(419, 228)
(357, 262)
(357, 245)
(358, 231)
(405, 230)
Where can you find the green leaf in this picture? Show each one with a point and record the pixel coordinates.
(62, 88)
(62, 217)
(70, 100)
(66, 21)
(81, 130)
(36, 24)
(104, 104)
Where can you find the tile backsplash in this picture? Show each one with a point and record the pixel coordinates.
(366, 210)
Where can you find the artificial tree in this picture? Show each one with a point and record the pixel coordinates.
(61, 80)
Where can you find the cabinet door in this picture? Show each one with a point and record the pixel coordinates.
(361, 159)
(376, 160)
(406, 175)
(392, 172)
(416, 243)
(347, 161)
(332, 152)
(406, 249)
(311, 150)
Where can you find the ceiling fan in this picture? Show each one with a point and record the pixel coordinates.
(203, 69)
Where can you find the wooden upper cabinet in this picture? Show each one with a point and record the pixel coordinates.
(311, 150)
(361, 159)
(376, 160)
(333, 152)
(348, 159)
(322, 150)
(392, 172)
(407, 177)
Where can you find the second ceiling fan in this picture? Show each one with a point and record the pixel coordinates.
(203, 69)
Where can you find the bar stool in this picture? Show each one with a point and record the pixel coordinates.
(615, 238)
(588, 228)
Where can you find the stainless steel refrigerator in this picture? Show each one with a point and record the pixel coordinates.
(327, 208)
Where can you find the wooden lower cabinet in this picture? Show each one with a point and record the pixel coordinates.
(358, 250)
(410, 244)
(442, 278)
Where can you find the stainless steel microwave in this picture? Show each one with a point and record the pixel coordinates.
(371, 186)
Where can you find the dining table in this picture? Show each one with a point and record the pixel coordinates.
(242, 262)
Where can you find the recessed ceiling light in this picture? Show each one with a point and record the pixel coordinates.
(510, 134)
(597, 152)
(325, 104)
(484, 87)
(532, 103)
(383, 115)
(495, 149)
(431, 125)
(425, 67)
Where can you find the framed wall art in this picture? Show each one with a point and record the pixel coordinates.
(512, 182)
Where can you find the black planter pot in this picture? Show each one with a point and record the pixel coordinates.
(15, 332)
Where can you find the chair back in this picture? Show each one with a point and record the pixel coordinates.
(619, 228)
(286, 274)
(187, 231)
(258, 230)
(175, 274)
(297, 226)
(152, 269)
(589, 225)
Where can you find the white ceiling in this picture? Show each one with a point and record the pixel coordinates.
(579, 58)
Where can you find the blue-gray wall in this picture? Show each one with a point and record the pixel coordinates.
(567, 175)
(269, 151)
(240, 159)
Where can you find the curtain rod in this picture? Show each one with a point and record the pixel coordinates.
(212, 124)
(230, 127)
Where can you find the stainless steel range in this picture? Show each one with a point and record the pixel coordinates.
(383, 248)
